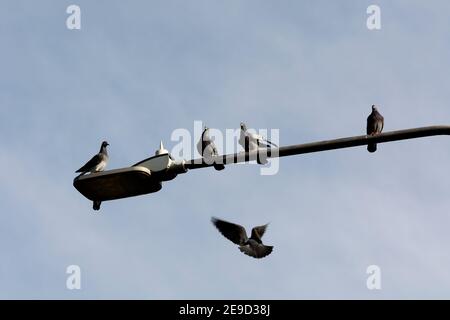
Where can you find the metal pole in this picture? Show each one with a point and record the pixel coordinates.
(327, 145)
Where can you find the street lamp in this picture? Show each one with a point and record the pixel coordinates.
(147, 175)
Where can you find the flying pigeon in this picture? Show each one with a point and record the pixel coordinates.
(375, 124)
(207, 148)
(252, 142)
(96, 164)
(252, 246)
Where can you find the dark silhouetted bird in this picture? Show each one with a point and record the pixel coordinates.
(208, 150)
(375, 124)
(252, 246)
(96, 164)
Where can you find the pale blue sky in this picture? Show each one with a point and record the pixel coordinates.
(137, 70)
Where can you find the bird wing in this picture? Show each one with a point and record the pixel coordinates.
(370, 124)
(254, 136)
(91, 163)
(242, 140)
(379, 126)
(233, 232)
(209, 150)
(378, 122)
(250, 145)
(260, 140)
(263, 251)
(258, 232)
(272, 144)
(259, 251)
(200, 147)
(214, 149)
(266, 143)
(382, 122)
(248, 251)
(242, 137)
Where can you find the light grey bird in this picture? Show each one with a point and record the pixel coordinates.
(252, 142)
(375, 125)
(252, 246)
(96, 164)
(207, 148)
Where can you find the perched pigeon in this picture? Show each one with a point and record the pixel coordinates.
(252, 246)
(97, 163)
(207, 148)
(375, 124)
(252, 142)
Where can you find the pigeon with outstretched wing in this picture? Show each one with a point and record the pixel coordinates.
(236, 233)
